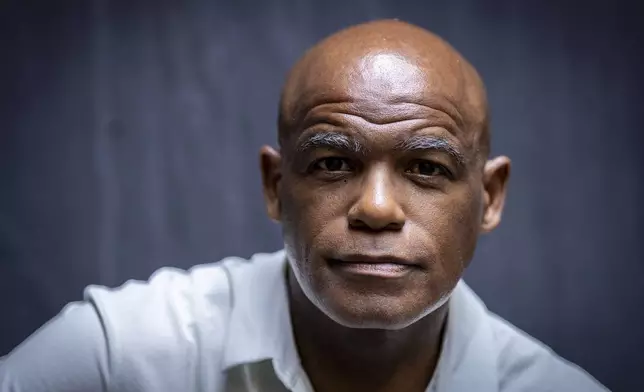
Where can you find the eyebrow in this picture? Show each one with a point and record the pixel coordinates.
(342, 142)
(331, 140)
(423, 143)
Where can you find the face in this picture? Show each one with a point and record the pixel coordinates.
(380, 194)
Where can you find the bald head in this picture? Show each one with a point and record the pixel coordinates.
(383, 136)
(391, 62)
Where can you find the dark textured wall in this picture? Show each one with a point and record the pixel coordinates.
(129, 133)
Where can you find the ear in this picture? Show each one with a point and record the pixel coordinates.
(495, 178)
(270, 166)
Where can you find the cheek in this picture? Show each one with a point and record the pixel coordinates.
(307, 211)
(451, 222)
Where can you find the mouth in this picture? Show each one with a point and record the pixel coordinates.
(381, 266)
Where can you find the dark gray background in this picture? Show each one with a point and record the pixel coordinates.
(129, 133)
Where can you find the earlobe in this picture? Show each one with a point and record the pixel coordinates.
(270, 167)
(495, 178)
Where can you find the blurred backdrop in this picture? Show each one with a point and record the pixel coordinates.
(129, 133)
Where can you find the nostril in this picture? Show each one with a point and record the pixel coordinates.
(358, 224)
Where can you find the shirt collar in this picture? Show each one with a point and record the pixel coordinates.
(260, 322)
(260, 329)
(468, 357)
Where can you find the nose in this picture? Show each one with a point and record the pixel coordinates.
(377, 207)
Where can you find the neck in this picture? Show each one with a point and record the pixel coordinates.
(337, 358)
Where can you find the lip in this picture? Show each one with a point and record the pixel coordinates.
(374, 259)
(383, 266)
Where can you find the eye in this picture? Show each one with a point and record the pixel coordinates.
(333, 164)
(428, 169)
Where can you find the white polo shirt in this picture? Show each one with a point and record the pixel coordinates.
(226, 327)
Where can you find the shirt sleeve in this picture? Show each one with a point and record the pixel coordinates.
(68, 354)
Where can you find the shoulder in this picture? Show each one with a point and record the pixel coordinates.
(164, 334)
(169, 295)
(526, 364)
(505, 357)
(173, 304)
(174, 323)
(165, 305)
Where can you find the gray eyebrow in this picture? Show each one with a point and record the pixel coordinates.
(332, 140)
(422, 142)
(342, 142)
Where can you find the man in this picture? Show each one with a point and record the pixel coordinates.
(382, 184)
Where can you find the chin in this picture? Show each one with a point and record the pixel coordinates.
(370, 319)
(376, 312)
(366, 302)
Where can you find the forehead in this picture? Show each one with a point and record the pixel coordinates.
(379, 88)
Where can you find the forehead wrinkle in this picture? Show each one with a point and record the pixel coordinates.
(342, 115)
(350, 100)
